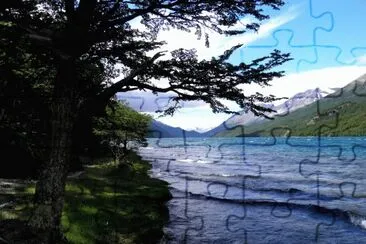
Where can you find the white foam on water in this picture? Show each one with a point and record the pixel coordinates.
(358, 220)
(363, 223)
(185, 160)
(203, 161)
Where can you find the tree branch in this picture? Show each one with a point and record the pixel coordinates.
(128, 80)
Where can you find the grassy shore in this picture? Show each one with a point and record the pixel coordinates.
(108, 203)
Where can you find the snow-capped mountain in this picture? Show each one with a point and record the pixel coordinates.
(346, 106)
(297, 101)
(300, 100)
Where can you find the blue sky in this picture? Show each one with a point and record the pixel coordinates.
(326, 39)
(323, 33)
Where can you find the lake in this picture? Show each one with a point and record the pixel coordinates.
(263, 189)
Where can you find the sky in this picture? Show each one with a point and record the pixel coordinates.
(325, 38)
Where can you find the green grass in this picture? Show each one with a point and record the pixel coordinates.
(110, 204)
(116, 204)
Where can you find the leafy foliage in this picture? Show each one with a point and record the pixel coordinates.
(100, 33)
(122, 128)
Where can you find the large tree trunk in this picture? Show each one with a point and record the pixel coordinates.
(49, 198)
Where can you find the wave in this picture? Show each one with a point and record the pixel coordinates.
(357, 220)
(260, 201)
(291, 190)
(148, 148)
(225, 175)
(232, 179)
(203, 161)
(185, 160)
(336, 213)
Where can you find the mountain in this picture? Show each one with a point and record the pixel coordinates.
(158, 129)
(214, 131)
(338, 114)
(247, 118)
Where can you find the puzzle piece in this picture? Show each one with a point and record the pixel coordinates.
(133, 101)
(317, 43)
(333, 113)
(283, 41)
(183, 219)
(300, 38)
(329, 165)
(237, 156)
(348, 52)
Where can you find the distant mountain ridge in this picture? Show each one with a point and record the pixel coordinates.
(298, 113)
(297, 101)
(158, 130)
(341, 113)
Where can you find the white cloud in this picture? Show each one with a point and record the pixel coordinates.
(148, 102)
(219, 43)
(176, 39)
(325, 79)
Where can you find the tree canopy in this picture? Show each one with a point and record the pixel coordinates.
(100, 33)
(122, 129)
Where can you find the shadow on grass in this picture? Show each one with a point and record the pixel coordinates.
(116, 204)
(109, 203)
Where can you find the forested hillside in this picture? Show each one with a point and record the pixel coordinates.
(342, 113)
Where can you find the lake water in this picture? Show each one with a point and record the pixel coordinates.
(263, 190)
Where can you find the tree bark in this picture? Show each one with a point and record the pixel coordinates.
(49, 197)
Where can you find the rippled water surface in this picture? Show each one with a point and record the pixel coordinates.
(263, 190)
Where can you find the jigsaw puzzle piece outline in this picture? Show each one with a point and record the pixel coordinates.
(340, 50)
(256, 168)
(290, 45)
(126, 98)
(185, 144)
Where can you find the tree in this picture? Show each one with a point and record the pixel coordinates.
(77, 34)
(121, 129)
(23, 107)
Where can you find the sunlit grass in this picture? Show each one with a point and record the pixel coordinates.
(108, 204)
(115, 204)
(31, 189)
